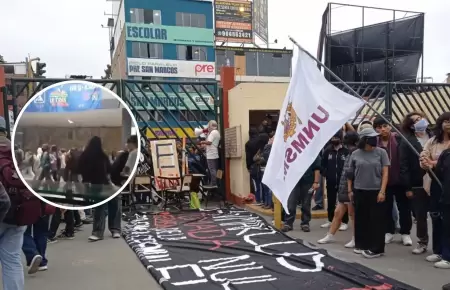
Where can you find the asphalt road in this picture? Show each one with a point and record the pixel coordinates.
(111, 264)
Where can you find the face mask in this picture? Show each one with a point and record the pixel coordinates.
(421, 126)
(372, 141)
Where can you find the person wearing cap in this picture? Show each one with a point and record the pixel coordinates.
(395, 191)
(367, 178)
(333, 160)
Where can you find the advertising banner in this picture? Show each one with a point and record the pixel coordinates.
(173, 133)
(261, 19)
(172, 101)
(233, 21)
(236, 249)
(170, 34)
(171, 68)
(71, 97)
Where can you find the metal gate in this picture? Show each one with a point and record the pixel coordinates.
(163, 109)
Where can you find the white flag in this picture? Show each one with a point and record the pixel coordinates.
(313, 111)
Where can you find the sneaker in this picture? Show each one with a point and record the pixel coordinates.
(94, 238)
(116, 235)
(350, 244)
(443, 264)
(306, 228)
(34, 265)
(317, 207)
(419, 249)
(326, 225)
(286, 228)
(406, 240)
(329, 238)
(370, 255)
(357, 251)
(433, 258)
(65, 236)
(43, 268)
(51, 240)
(343, 227)
(388, 238)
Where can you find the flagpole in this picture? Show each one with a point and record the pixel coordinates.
(366, 103)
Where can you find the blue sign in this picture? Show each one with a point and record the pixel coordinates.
(73, 97)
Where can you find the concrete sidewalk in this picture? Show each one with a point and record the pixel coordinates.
(81, 265)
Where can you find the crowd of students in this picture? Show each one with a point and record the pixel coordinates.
(376, 179)
(27, 224)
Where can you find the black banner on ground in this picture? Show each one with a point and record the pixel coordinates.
(235, 249)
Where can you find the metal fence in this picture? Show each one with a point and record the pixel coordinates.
(163, 109)
(395, 100)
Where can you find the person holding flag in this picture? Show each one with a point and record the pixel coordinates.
(312, 112)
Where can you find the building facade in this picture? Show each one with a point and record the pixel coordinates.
(167, 40)
(162, 40)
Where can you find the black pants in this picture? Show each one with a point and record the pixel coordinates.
(332, 190)
(301, 193)
(369, 221)
(445, 252)
(421, 205)
(69, 220)
(404, 210)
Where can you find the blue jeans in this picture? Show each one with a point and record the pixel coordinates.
(258, 189)
(318, 197)
(11, 240)
(267, 193)
(35, 241)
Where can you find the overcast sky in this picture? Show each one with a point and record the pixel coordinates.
(67, 35)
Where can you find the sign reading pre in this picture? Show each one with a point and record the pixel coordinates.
(170, 34)
(171, 68)
(233, 21)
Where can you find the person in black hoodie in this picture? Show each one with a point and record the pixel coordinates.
(94, 168)
(345, 205)
(332, 164)
(415, 129)
(251, 148)
(442, 173)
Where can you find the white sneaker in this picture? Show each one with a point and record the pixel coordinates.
(94, 238)
(350, 244)
(116, 235)
(442, 264)
(326, 225)
(419, 249)
(433, 258)
(357, 251)
(406, 240)
(388, 238)
(328, 239)
(34, 265)
(43, 268)
(343, 227)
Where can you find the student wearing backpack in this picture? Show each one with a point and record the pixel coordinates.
(25, 210)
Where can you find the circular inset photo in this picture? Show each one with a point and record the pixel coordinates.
(76, 145)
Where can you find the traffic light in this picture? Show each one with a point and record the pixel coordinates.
(40, 71)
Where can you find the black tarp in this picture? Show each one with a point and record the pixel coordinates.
(388, 51)
(236, 249)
